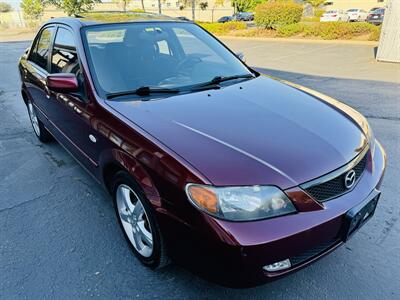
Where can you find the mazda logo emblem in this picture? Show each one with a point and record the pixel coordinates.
(350, 179)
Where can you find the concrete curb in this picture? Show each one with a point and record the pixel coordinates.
(309, 41)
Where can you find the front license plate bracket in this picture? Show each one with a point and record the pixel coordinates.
(356, 217)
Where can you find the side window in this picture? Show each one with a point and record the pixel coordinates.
(64, 58)
(40, 53)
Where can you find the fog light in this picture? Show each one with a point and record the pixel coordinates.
(278, 266)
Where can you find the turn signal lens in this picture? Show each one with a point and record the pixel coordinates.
(204, 198)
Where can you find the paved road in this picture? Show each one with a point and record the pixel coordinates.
(59, 237)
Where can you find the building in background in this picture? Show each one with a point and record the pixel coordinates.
(212, 11)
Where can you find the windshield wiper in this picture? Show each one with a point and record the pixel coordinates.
(214, 83)
(219, 79)
(143, 91)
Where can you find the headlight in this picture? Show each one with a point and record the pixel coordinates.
(240, 203)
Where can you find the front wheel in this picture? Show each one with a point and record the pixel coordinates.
(137, 219)
(40, 131)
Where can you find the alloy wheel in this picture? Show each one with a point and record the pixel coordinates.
(134, 220)
(34, 118)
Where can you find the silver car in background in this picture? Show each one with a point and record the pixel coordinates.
(357, 15)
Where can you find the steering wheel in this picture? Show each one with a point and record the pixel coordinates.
(181, 71)
(188, 62)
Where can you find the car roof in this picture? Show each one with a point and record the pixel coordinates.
(89, 19)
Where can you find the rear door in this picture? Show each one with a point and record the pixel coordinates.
(37, 68)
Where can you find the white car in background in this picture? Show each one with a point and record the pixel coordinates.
(356, 14)
(336, 15)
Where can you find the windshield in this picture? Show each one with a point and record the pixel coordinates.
(126, 57)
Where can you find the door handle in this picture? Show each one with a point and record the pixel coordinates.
(47, 92)
(77, 110)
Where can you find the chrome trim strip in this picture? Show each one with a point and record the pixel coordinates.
(337, 172)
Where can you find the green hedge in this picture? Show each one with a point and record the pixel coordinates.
(330, 30)
(277, 14)
(340, 30)
(291, 30)
(223, 28)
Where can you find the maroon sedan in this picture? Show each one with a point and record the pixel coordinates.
(202, 155)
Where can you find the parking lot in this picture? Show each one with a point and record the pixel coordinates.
(59, 237)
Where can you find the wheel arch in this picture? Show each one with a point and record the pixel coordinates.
(25, 96)
(113, 161)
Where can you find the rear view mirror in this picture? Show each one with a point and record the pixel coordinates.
(240, 55)
(62, 82)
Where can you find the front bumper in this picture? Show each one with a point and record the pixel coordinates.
(303, 237)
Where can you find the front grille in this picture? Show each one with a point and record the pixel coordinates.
(334, 187)
(310, 253)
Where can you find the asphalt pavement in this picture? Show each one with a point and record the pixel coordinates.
(59, 237)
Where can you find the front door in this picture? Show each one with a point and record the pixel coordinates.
(73, 114)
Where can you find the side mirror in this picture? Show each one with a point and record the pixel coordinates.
(240, 55)
(62, 82)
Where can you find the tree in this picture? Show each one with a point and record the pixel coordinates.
(315, 3)
(216, 3)
(142, 1)
(193, 5)
(5, 7)
(245, 5)
(71, 7)
(203, 5)
(32, 10)
(159, 7)
(123, 3)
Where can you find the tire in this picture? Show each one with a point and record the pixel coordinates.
(137, 220)
(38, 128)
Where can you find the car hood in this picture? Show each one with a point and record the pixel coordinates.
(260, 131)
